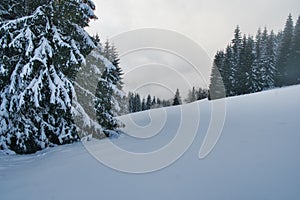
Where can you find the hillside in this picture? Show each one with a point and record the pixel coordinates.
(256, 156)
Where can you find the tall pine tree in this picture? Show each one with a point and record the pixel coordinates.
(282, 77)
(294, 59)
(216, 87)
(256, 69)
(271, 70)
(227, 71)
(235, 64)
(104, 103)
(41, 49)
(246, 62)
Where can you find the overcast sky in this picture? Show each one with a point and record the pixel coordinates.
(210, 23)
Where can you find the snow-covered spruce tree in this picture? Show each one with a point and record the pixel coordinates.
(270, 73)
(235, 64)
(282, 77)
(177, 98)
(104, 103)
(110, 52)
(294, 61)
(263, 62)
(110, 101)
(85, 85)
(98, 90)
(246, 61)
(248, 68)
(216, 87)
(40, 53)
(256, 72)
(226, 71)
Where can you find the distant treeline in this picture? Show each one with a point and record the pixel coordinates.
(136, 103)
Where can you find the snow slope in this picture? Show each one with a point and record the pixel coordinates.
(256, 157)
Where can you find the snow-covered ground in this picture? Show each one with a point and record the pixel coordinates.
(256, 157)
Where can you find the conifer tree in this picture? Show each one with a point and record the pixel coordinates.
(148, 102)
(235, 64)
(270, 73)
(104, 103)
(110, 52)
(177, 98)
(41, 50)
(138, 103)
(245, 67)
(130, 102)
(257, 82)
(97, 68)
(284, 53)
(248, 68)
(117, 71)
(106, 50)
(294, 61)
(226, 71)
(108, 98)
(143, 104)
(217, 85)
(264, 69)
